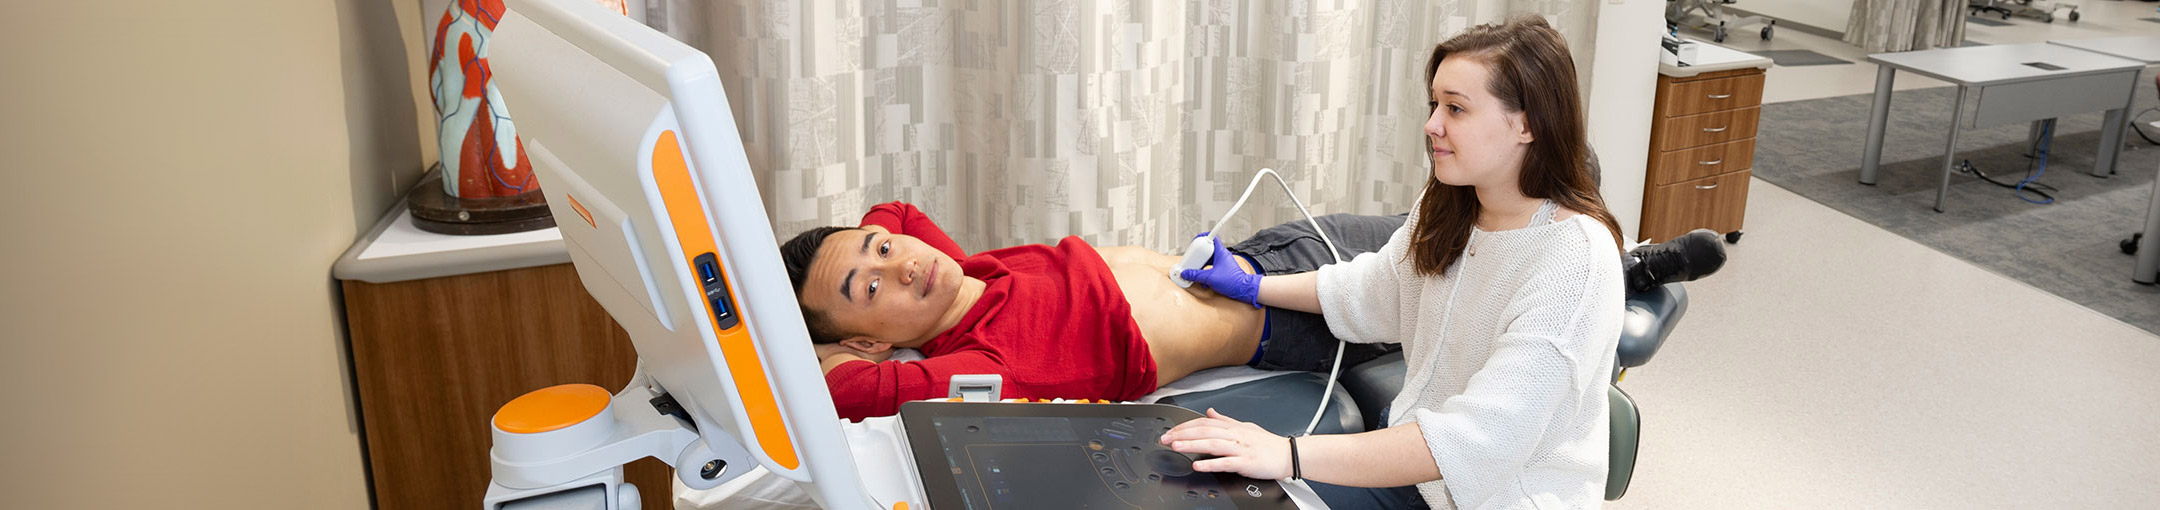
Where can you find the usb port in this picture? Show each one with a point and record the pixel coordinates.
(707, 271)
(720, 307)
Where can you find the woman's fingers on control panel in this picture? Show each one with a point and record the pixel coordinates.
(1239, 447)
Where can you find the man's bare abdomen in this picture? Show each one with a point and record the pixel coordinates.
(1187, 330)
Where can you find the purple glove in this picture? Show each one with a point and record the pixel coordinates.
(1224, 276)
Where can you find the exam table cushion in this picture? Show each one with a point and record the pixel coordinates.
(1282, 405)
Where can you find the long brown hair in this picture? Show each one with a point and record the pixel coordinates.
(1533, 74)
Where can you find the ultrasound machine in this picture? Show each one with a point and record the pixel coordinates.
(631, 136)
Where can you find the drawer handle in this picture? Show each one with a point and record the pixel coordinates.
(1708, 163)
(1699, 186)
(1715, 129)
(1720, 96)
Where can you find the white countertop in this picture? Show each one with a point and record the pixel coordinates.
(1710, 58)
(396, 250)
(402, 238)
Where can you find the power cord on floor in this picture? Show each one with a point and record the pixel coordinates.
(2022, 186)
(2141, 131)
(2029, 184)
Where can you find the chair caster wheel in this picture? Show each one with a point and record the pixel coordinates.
(1732, 237)
(2129, 246)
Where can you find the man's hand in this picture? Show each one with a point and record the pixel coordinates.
(1240, 447)
(833, 354)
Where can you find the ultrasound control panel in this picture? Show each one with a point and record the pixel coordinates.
(1052, 456)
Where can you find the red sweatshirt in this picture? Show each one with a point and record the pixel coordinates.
(1052, 321)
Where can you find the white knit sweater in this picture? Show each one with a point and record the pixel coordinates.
(1508, 358)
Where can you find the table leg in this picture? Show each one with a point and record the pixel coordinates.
(2111, 141)
(1878, 118)
(2032, 138)
(1957, 116)
(2043, 134)
(2148, 248)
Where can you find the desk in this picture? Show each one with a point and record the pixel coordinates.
(2017, 83)
(445, 329)
(2143, 49)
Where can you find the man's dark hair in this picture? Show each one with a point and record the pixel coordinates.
(797, 254)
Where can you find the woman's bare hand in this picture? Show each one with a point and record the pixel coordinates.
(1239, 447)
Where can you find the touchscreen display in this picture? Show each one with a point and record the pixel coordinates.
(1072, 462)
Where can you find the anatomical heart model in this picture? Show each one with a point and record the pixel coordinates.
(486, 184)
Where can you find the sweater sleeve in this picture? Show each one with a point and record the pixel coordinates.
(1362, 299)
(1485, 437)
(862, 389)
(904, 219)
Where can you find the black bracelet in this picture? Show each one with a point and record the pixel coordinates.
(1295, 472)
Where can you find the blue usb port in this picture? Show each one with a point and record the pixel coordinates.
(720, 306)
(707, 272)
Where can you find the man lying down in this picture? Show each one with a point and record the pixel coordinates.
(1067, 320)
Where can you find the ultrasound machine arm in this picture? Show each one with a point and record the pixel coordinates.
(632, 139)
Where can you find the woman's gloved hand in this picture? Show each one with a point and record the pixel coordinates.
(1225, 277)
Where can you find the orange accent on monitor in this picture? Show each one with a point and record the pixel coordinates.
(580, 208)
(672, 175)
(899, 506)
(551, 408)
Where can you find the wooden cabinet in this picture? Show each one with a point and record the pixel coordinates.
(1702, 146)
(434, 358)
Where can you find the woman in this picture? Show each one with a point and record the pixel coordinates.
(1504, 289)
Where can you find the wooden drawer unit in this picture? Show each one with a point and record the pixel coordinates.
(1702, 148)
(1717, 203)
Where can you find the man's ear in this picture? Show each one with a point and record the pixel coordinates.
(866, 344)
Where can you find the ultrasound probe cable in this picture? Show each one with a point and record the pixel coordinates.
(1196, 250)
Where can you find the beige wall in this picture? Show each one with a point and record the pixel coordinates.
(175, 180)
(1623, 86)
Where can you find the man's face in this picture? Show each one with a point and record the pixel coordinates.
(890, 288)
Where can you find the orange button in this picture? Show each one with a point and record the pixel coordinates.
(551, 408)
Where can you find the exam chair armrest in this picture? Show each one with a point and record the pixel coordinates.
(1651, 315)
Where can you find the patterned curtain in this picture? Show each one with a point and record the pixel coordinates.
(1123, 122)
(1906, 25)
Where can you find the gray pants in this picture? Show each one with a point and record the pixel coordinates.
(1294, 340)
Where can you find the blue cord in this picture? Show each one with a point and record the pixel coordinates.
(2046, 137)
